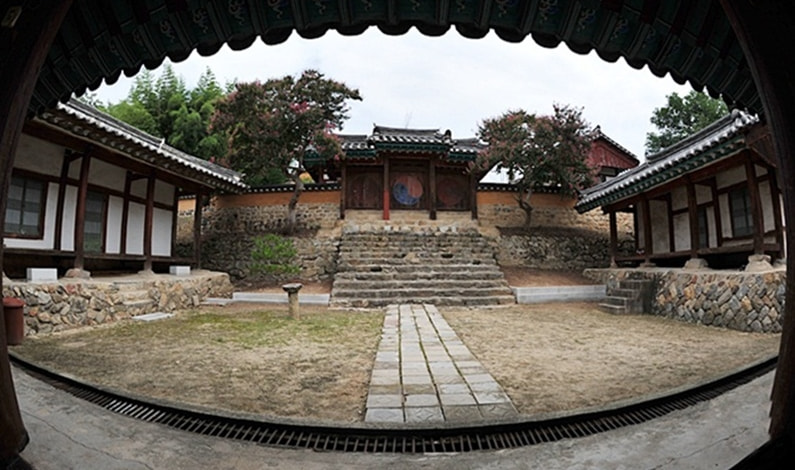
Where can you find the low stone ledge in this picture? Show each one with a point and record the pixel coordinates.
(70, 303)
(534, 295)
(739, 300)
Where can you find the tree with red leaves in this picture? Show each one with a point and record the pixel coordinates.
(273, 125)
(539, 152)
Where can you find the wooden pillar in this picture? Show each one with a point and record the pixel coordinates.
(775, 196)
(386, 188)
(343, 188)
(149, 221)
(763, 29)
(692, 213)
(80, 213)
(613, 239)
(670, 217)
(125, 211)
(713, 185)
(756, 207)
(432, 187)
(473, 195)
(23, 48)
(174, 222)
(68, 158)
(197, 229)
(648, 246)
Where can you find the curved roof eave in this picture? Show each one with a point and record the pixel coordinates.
(690, 40)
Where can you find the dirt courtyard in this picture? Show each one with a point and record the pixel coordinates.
(256, 359)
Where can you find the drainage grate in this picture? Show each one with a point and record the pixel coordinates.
(465, 439)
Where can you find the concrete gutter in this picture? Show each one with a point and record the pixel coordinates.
(280, 298)
(534, 295)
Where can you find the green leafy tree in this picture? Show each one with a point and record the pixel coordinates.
(164, 107)
(539, 151)
(681, 117)
(274, 255)
(272, 125)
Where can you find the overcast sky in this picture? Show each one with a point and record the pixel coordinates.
(448, 82)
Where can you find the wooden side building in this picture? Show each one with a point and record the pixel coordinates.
(713, 196)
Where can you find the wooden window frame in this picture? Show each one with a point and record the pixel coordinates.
(103, 223)
(42, 205)
(748, 215)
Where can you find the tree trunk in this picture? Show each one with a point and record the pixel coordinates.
(292, 213)
(523, 198)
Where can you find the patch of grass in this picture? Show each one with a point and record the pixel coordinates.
(240, 357)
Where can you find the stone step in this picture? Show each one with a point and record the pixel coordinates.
(418, 259)
(386, 275)
(618, 301)
(437, 284)
(634, 284)
(366, 248)
(477, 301)
(613, 309)
(625, 293)
(408, 293)
(343, 268)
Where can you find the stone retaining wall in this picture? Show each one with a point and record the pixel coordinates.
(65, 304)
(737, 300)
(567, 250)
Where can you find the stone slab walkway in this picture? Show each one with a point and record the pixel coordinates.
(424, 373)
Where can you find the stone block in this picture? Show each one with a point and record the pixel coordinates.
(42, 274)
(179, 270)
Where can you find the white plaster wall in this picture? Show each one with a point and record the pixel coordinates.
(47, 242)
(767, 206)
(37, 155)
(682, 232)
(135, 229)
(106, 175)
(138, 188)
(164, 193)
(161, 232)
(725, 216)
(712, 230)
(68, 220)
(703, 194)
(659, 223)
(679, 198)
(113, 227)
(730, 176)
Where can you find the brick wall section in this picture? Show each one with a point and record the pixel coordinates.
(230, 223)
(737, 300)
(499, 208)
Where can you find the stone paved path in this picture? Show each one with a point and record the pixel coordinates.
(423, 373)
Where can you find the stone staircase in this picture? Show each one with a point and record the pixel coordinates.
(632, 296)
(436, 265)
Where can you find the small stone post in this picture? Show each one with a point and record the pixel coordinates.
(292, 297)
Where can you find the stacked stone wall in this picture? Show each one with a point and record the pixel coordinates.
(65, 304)
(737, 300)
(563, 249)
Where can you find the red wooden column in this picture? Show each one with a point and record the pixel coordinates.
(764, 31)
(386, 188)
(80, 216)
(343, 188)
(149, 221)
(24, 44)
(197, 229)
(432, 187)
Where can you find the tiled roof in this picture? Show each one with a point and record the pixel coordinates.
(718, 140)
(415, 140)
(598, 134)
(87, 122)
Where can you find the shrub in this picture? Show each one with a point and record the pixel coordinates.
(274, 255)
